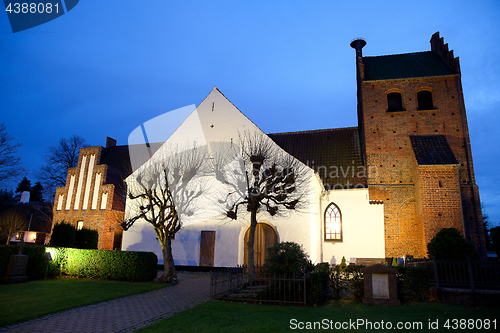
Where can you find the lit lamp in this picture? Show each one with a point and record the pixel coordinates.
(48, 257)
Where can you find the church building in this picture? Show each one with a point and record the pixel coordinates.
(379, 190)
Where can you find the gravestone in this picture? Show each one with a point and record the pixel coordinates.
(16, 271)
(380, 285)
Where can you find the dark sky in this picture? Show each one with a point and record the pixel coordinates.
(105, 67)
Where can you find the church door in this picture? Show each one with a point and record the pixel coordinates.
(265, 237)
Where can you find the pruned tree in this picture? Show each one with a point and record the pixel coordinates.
(267, 180)
(58, 160)
(164, 192)
(12, 220)
(10, 158)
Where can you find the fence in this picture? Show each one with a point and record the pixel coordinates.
(463, 274)
(234, 285)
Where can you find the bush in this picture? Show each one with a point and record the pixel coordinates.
(101, 264)
(347, 280)
(86, 239)
(413, 283)
(63, 235)
(36, 260)
(448, 244)
(286, 259)
(355, 285)
(495, 238)
(318, 284)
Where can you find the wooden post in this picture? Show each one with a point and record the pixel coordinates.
(471, 277)
(436, 275)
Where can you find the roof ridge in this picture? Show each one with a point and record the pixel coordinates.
(315, 131)
(399, 54)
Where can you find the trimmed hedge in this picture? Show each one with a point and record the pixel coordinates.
(318, 283)
(101, 264)
(86, 239)
(63, 234)
(413, 283)
(94, 264)
(36, 260)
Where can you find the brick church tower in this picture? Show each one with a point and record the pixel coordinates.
(415, 140)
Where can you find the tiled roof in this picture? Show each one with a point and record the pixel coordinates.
(118, 157)
(408, 65)
(432, 150)
(332, 153)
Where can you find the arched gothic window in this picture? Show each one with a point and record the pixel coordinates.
(333, 223)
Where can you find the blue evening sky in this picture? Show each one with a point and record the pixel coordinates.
(105, 67)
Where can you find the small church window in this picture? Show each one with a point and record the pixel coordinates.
(79, 225)
(424, 98)
(394, 102)
(333, 223)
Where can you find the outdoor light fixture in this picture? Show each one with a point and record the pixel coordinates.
(48, 257)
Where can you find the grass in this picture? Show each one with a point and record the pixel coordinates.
(237, 317)
(25, 301)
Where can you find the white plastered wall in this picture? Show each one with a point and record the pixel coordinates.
(218, 120)
(362, 227)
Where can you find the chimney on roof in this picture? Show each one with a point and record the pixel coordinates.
(110, 142)
(358, 44)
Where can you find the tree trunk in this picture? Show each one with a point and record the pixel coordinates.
(250, 245)
(168, 262)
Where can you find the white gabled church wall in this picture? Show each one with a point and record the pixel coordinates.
(362, 227)
(141, 237)
(218, 120)
(315, 220)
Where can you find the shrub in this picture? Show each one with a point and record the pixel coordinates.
(63, 235)
(413, 283)
(286, 259)
(318, 284)
(347, 280)
(495, 238)
(101, 264)
(338, 280)
(448, 244)
(36, 260)
(355, 285)
(86, 239)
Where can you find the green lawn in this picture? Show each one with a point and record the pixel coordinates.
(24, 301)
(236, 317)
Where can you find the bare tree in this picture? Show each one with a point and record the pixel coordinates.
(12, 220)
(10, 159)
(164, 192)
(58, 160)
(268, 180)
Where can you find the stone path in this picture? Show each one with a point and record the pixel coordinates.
(125, 314)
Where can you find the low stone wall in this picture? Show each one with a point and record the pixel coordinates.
(466, 296)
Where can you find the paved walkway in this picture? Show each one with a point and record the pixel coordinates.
(125, 314)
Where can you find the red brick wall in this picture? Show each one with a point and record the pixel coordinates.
(439, 200)
(105, 221)
(388, 149)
